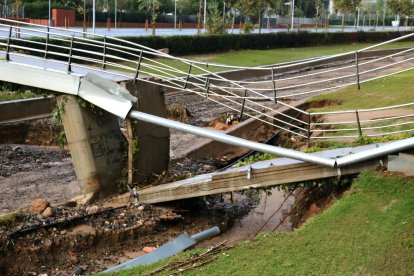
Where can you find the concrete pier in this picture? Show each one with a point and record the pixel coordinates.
(96, 144)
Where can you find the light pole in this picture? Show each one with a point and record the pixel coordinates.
(175, 14)
(49, 14)
(116, 10)
(357, 24)
(93, 16)
(224, 11)
(293, 13)
(205, 14)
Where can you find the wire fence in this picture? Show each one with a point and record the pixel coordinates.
(261, 98)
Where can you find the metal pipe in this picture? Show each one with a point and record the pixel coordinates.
(224, 138)
(380, 151)
(206, 234)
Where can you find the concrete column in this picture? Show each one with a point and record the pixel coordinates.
(153, 154)
(96, 144)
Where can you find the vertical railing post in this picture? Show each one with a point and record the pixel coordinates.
(309, 128)
(104, 54)
(207, 86)
(47, 43)
(357, 70)
(138, 68)
(188, 76)
(274, 84)
(242, 107)
(358, 123)
(70, 54)
(8, 44)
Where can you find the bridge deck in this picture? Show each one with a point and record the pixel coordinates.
(61, 66)
(261, 174)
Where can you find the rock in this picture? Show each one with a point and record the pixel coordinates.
(71, 204)
(78, 271)
(164, 50)
(48, 212)
(39, 205)
(148, 249)
(92, 210)
(84, 199)
(63, 232)
(141, 208)
(72, 257)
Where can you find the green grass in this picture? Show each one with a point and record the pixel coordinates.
(393, 90)
(9, 96)
(370, 231)
(264, 57)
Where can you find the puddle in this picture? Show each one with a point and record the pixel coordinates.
(246, 228)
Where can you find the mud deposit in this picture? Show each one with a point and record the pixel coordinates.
(77, 239)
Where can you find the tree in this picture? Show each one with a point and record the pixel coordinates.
(346, 6)
(152, 7)
(217, 23)
(400, 7)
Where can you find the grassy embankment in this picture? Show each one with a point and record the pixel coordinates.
(393, 90)
(370, 231)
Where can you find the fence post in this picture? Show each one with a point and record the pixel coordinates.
(70, 54)
(138, 68)
(104, 54)
(309, 128)
(358, 123)
(207, 86)
(274, 84)
(357, 70)
(8, 44)
(188, 76)
(47, 43)
(242, 107)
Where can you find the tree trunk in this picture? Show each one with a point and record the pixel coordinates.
(343, 22)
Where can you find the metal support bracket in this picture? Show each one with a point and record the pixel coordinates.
(339, 173)
(8, 44)
(274, 84)
(47, 43)
(242, 107)
(188, 76)
(249, 171)
(357, 70)
(358, 123)
(70, 54)
(138, 68)
(104, 54)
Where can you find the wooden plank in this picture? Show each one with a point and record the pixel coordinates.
(238, 181)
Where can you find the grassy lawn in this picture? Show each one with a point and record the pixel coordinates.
(370, 231)
(387, 91)
(265, 57)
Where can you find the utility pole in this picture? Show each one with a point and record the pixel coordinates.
(93, 16)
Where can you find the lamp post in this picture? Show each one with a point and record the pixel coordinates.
(116, 11)
(357, 24)
(205, 14)
(293, 13)
(49, 14)
(175, 14)
(93, 16)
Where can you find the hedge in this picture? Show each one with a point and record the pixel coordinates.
(183, 45)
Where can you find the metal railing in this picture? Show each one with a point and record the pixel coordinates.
(68, 50)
